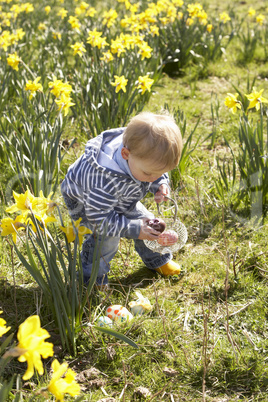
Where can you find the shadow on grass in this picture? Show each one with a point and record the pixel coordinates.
(141, 277)
(19, 302)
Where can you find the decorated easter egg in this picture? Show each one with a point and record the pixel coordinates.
(104, 321)
(141, 305)
(167, 238)
(119, 313)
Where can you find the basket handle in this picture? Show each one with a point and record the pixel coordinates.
(175, 205)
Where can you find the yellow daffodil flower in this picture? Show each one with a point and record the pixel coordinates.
(109, 17)
(96, 40)
(209, 27)
(203, 17)
(256, 99)
(145, 51)
(251, 12)
(177, 3)
(145, 83)
(56, 35)
(84, 6)
(47, 9)
(58, 87)
(23, 202)
(75, 24)
(194, 9)
(3, 327)
(33, 86)
(71, 233)
(119, 83)
(154, 30)
(12, 226)
(91, 11)
(232, 102)
(78, 48)
(13, 61)
(260, 19)
(224, 17)
(62, 13)
(27, 7)
(32, 338)
(41, 26)
(107, 57)
(5, 40)
(64, 103)
(117, 47)
(59, 386)
(43, 204)
(19, 34)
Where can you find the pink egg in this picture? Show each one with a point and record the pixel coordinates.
(167, 238)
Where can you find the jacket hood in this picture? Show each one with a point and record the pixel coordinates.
(99, 151)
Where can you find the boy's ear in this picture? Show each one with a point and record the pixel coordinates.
(125, 153)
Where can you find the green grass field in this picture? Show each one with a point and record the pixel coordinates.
(206, 337)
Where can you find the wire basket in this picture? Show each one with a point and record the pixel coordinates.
(172, 223)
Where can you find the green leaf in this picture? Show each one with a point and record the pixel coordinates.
(124, 338)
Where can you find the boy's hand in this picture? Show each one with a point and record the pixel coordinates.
(146, 232)
(161, 193)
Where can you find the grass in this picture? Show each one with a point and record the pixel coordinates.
(206, 338)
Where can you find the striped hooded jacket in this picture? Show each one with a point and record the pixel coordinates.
(102, 190)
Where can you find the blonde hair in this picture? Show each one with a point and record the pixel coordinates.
(154, 137)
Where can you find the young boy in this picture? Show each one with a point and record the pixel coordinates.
(105, 186)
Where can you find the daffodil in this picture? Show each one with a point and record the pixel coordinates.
(43, 204)
(23, 202)
(57, 87)
(260, 19)
(64, 103)
(232, 102)
(12, 226)
(78, 48)
(33, 86)
(251, 12)
(107, 57)
(145, 83)
(13, 61)
(32, 338)
(75, 24)
(256, 99)
(209, 27)
(194, 9)
(224, 17)
(95, 39)
(120, 83)
(47, 9)
(71, 232)
(109, 17)
(56, 35)
(91, 11)
(62, 13)
(59, 386)
(3, 327)
(117, 47)
(41, 26)
(154, 30)
(145, 51)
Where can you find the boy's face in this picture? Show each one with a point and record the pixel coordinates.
(142, 170)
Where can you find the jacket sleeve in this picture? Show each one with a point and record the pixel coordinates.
(100, 213)
(164, 179)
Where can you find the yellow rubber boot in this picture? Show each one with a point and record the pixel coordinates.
(171, 268)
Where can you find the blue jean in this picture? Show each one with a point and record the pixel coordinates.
(109, 248)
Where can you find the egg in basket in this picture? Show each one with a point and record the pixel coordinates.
(173, 232)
